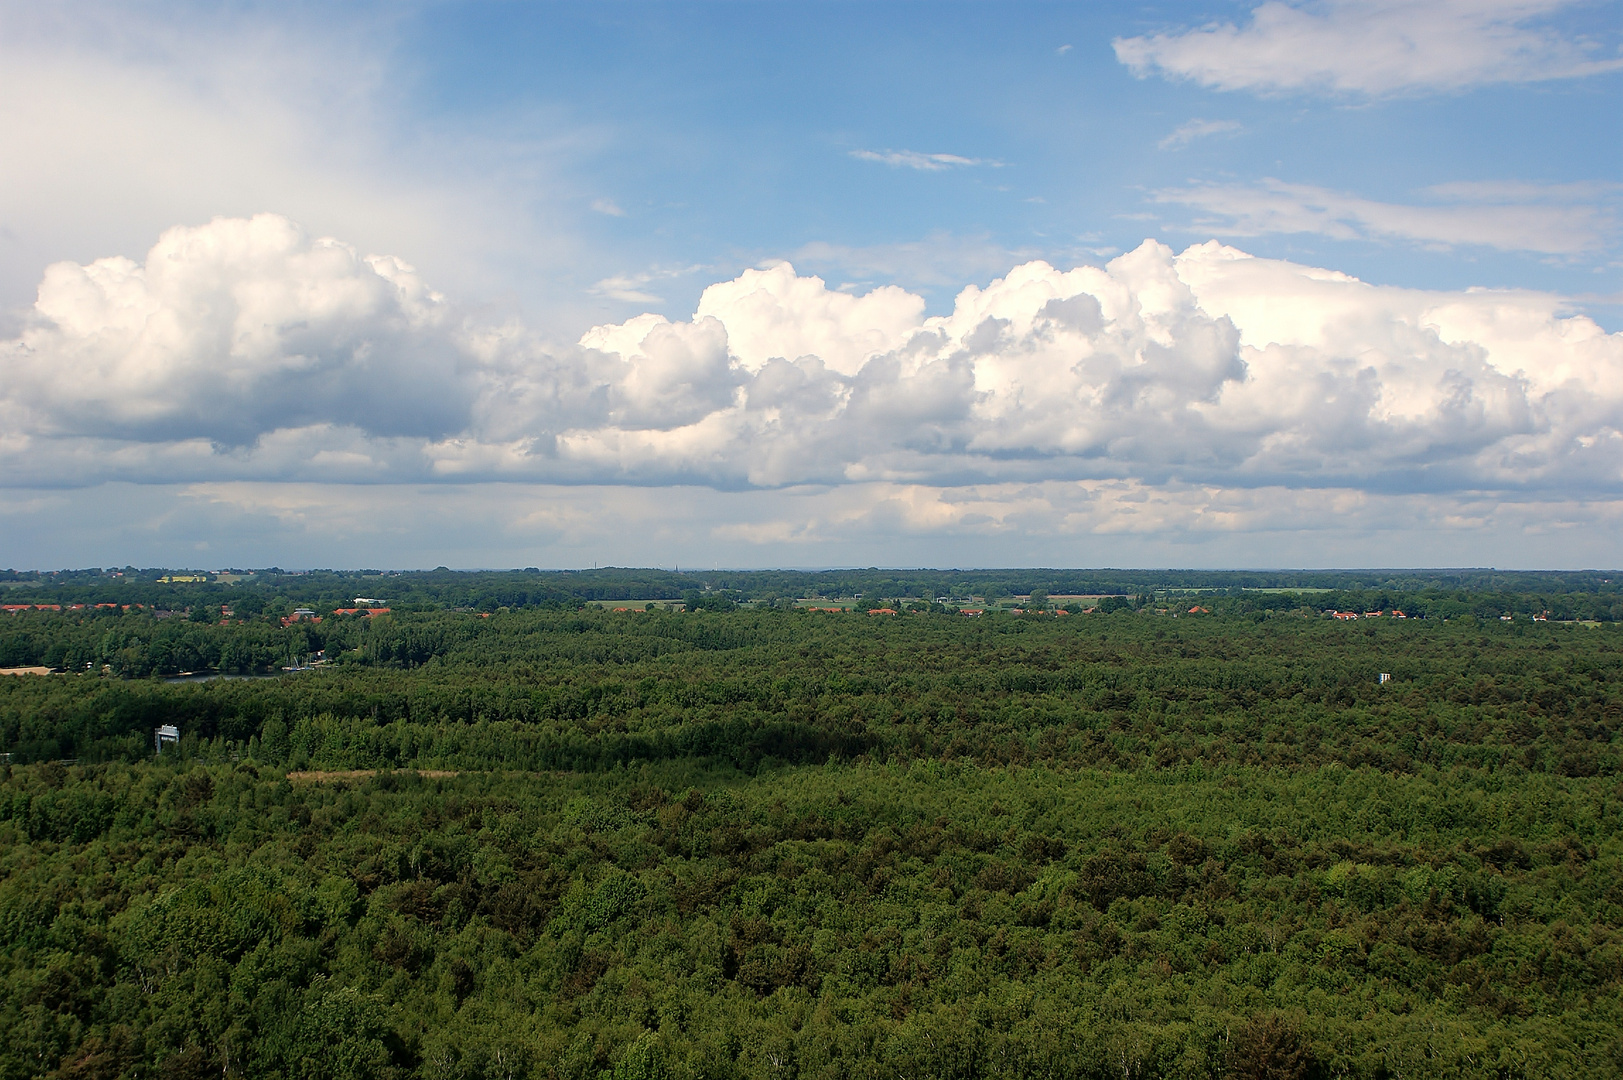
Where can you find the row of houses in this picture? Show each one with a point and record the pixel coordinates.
(305, 614)
(15, 608)
(1543, 616)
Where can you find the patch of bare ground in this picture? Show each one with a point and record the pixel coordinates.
(322, 776)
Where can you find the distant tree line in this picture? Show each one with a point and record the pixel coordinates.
(1589, 595)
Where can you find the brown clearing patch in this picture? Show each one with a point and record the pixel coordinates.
(323, 775)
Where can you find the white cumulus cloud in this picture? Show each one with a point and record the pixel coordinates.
(232, 329)
(1373, 47)
(246, 351)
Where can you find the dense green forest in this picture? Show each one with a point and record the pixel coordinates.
(494, 835)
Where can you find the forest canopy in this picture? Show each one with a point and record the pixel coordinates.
(1198, 830)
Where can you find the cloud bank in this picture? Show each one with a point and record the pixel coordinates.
(246, 350)
(1372, 47)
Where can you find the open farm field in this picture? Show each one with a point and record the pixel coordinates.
(561, 842)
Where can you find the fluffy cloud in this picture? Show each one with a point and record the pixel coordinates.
(245, 351)
(1374, 48)
(233, 329)
(1209, 366)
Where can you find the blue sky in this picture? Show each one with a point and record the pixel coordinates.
(240, 393)
(728, 133)
(732, 128)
